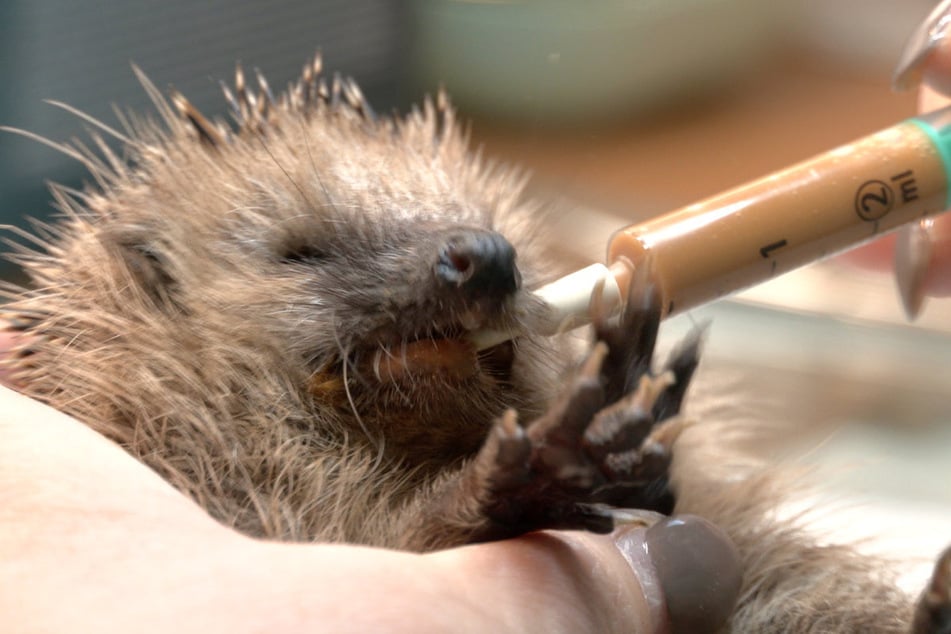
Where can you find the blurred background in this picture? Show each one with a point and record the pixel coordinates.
(621, 109)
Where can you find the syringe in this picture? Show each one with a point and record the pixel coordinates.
(822, 206)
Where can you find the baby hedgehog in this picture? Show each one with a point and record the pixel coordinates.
(274, 317)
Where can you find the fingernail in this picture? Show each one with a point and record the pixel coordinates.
(697, 573)
(924, 40)
(913, 253)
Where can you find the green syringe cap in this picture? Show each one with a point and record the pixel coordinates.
(937, 125)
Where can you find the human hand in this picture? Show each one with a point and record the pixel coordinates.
(93, 541)
(921, 253)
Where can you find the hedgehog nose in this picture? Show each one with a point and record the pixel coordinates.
(479, 262)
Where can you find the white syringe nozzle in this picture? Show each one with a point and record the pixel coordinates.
(569, 297)
(569, 304)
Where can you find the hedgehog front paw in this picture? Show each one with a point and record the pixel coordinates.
(606, 441)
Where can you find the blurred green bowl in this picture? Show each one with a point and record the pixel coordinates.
(574, 60)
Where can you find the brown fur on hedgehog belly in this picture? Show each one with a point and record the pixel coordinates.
(220, 304)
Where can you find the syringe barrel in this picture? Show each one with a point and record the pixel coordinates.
(800, 214)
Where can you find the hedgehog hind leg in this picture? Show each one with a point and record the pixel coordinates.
(933, 612)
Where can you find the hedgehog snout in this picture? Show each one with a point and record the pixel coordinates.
(480, 263)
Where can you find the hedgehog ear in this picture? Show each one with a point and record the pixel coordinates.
(147, 265)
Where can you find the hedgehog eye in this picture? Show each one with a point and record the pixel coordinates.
(303, 254)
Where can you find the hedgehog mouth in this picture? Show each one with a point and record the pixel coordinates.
(447, 354)
(444, 350)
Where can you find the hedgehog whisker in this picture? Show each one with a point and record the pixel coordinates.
(345, 354)
(313, 164)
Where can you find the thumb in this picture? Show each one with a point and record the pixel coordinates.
(681, 575)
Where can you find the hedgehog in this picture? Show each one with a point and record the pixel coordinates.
(273, 314)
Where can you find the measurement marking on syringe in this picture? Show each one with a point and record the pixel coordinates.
(873, 200)
(906, 185)
(769, 248)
